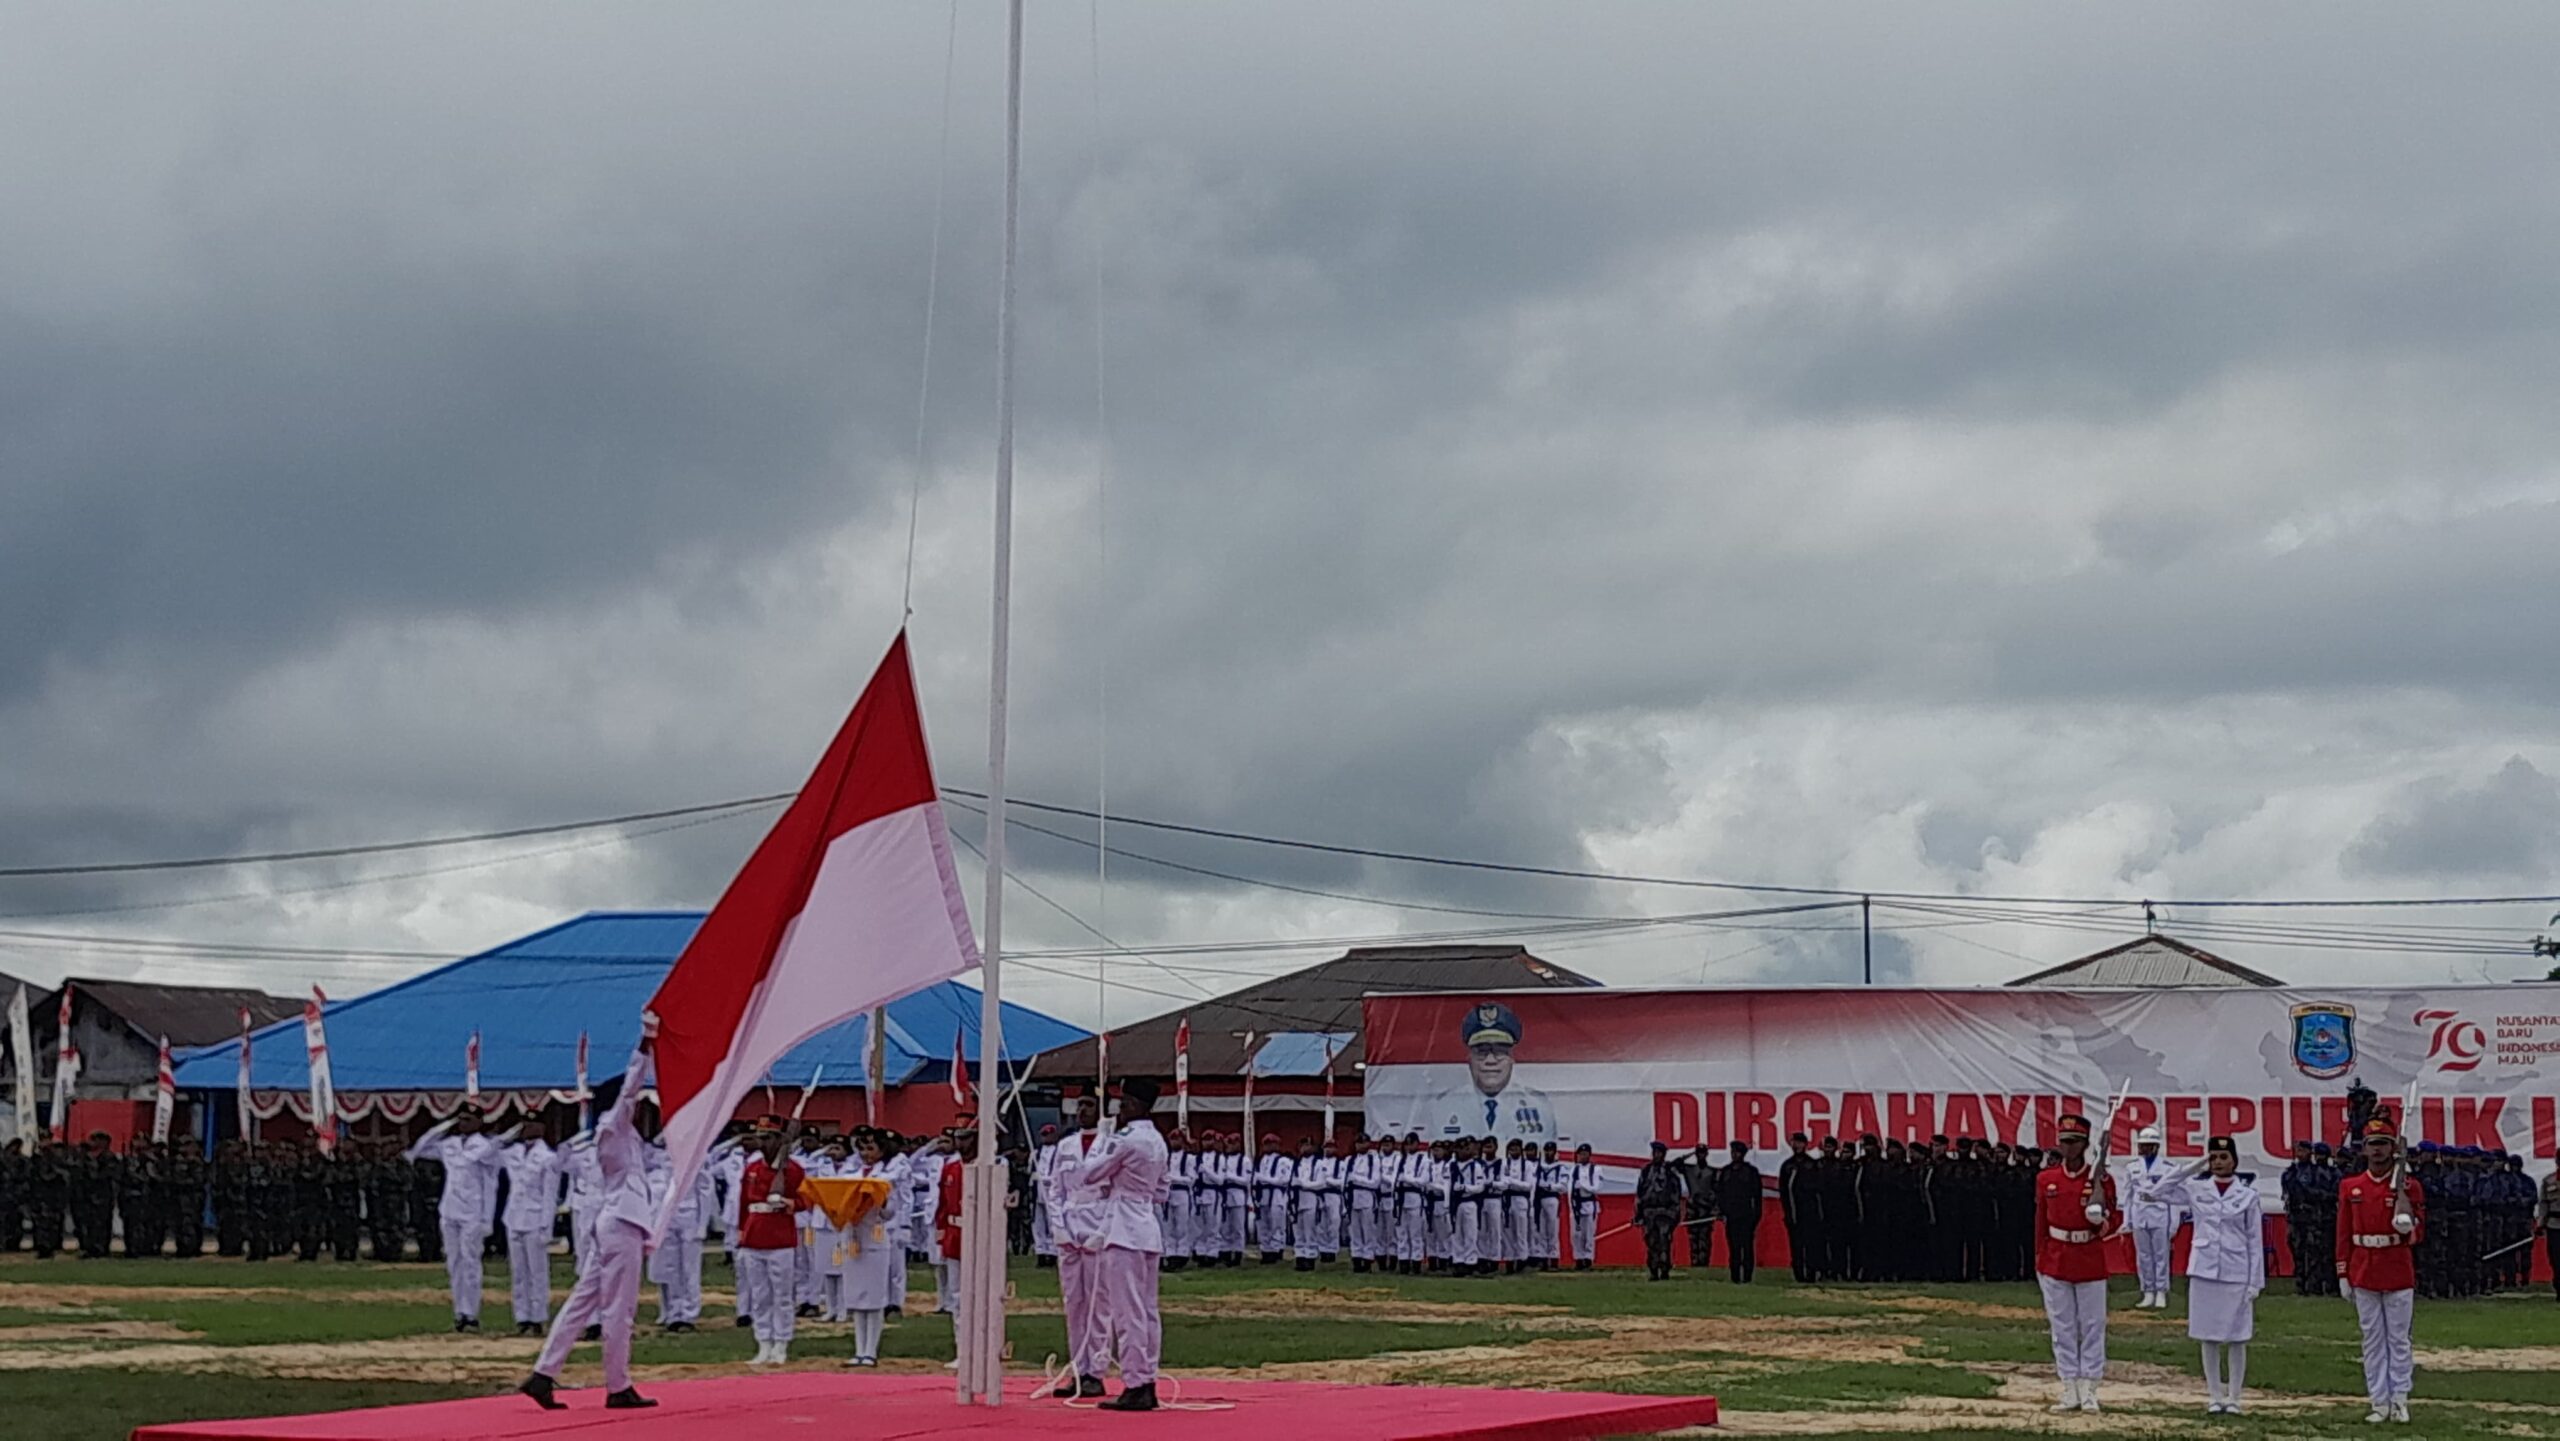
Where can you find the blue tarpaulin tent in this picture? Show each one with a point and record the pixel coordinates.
(529, 1000)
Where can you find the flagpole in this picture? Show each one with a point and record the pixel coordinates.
(982, 1289)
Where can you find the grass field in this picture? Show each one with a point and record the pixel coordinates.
(89, 1350)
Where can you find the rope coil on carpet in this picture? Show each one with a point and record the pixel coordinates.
(1051, 1373)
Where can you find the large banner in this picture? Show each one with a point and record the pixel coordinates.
(1620, 1069)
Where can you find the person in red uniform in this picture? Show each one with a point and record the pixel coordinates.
(2075, 1212)
(2381, 1219)
(769, 1241)
(946, 1216)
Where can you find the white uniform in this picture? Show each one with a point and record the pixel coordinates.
(1309, 1182)
(676, 1266)
(1516, 1113)
(1044, 1241)
(825, 1243)
(1275, 1180)
(533, 1204)
(1413, 1205)
(1555, 1179)
(1208, 1205)
(2154, 1224)
(1077, 1227)
(607, 1294)
(875, 1258)
(586, 1197)
(468, 1180)
(1127, 1173)
(1360, 1180)
(2226, 1269)
(1175, 1214)
(1585, 1188)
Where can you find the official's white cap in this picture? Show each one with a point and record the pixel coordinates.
(2147, 1136)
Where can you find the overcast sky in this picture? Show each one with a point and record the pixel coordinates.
(1984, 448)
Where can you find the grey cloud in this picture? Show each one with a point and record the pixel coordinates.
(2507, 825)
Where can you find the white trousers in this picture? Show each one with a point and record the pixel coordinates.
(1273, 1232)
(805, 1270)
(1462, 1246)
(1307, 1227)
(1412, 1229)
(582, 1233)
(1329, 1223)
(607, 1295)
(1128, 1295)
(1177, 1225)
(2076, 1311)
(1364, 1230)
(2389, 1360)
(677, 1268)
(767, 1286)
(462, 1265)
(1231, 1225)
(529, 1275)
(2151, 1258)
(1548, 1241)
(1586, 1230)
(1088, 1330)
(1208, 1225)
(1044, 1242)
(898, 1280)
(946, 1284)
(1516, 1233)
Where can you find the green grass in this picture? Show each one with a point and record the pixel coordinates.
(2307, 1346)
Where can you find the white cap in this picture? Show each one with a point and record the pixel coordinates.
(2147, 1136)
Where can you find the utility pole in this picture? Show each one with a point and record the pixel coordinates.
(1867, 934)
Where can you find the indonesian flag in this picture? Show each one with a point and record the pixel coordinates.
(1182, 1074)
(66, 1068)
(583, 1095)
(1328, 1090)
(240, 1093)
(959, 1069)
(471, 1067)
(850, 902)
(165, 1103)
(324, 1096)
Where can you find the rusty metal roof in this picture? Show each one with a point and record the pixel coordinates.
(2153, 960)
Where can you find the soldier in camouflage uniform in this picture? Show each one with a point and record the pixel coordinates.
(134, 1200)
(310, 1191)
(13, 1194)
(344, 1187)
(386, 1201)
(48, 1195)
(426, 1207)
(275, 1198)
(96, 1171)
(184, 1207)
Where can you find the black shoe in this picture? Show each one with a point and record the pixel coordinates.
(471, 1324)
(458, 1324)
(527, 1328)
(1306, 1264)
(745, 1320)
(1359, 1267)
(1271, 1258)
(1582, 1265)
(681, 1328)
(592, 1333)
(807, 1313)
(1088, 1387)
(539, 1387)
(628, 1399)
(1332, 1256)
(1046, 1262)
(894, 1311)
(1132, 1398)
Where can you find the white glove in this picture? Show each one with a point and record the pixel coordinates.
(2404, 1224)
(648, 1025)
(2096, 1213)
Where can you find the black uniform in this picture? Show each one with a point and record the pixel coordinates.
(1800, 1206)
(1661, 1198)
(344, 1187)
(13, 1194)
(1738, 1197)
(426, 1207)
(386, 1205)
(1698, 1174)
(48, 1195)
(136, 1183)
(95, 1174)
(310, 1192)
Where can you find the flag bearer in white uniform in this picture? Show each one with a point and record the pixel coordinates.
(875, 1252)
(1076, 1224)
(2226, 1263)
(2154, 1223)
(608, 1294)
(533, 1204)
(1585, 1187)
(469, 1159)
(1130, 1170)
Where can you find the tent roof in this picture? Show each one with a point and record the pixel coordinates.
(530, 998)
(1324, 999)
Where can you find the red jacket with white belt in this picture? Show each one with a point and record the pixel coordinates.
(2069, 1246)
(2371, 1255)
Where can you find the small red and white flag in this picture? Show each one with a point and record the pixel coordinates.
(1250, 1139)
(959, 1069)
(66, 1068)
(240, 1091)
(1182, 1074)
(164, 1103)
(324, 1095)
(471, 1068)
(851, 901)
(583, 1095)
(1328, 1090)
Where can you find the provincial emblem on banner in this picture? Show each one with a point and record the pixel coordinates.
(2324, 1039)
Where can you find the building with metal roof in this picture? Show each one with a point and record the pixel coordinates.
(401, 1049)
(2147, 961)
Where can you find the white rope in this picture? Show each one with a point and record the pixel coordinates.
(1102, 580)
(1051, 1373)
(932, 289)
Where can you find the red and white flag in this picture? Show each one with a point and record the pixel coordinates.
(1182, 1074)
(164, 1103)
(959, 1069)
(583, 1119)
(471, 1068)
(324, 1096)
(66, 1068)
(240, 1092)
(851, 901)
(1328, 1091)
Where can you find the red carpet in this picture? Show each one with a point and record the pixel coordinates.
(884, 1408)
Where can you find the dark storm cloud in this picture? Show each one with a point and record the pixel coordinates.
(416, 421)
(2508, 824)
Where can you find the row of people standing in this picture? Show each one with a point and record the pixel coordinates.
(1878, 1210)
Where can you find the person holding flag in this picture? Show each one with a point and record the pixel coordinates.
(2381, 1222)
(1128, 1171)
(607, 1293)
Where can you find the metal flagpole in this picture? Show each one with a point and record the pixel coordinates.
(982, 1191)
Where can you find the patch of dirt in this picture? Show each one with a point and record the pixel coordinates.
(94, 1331)
(2463, 1358)
(66, 1296)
